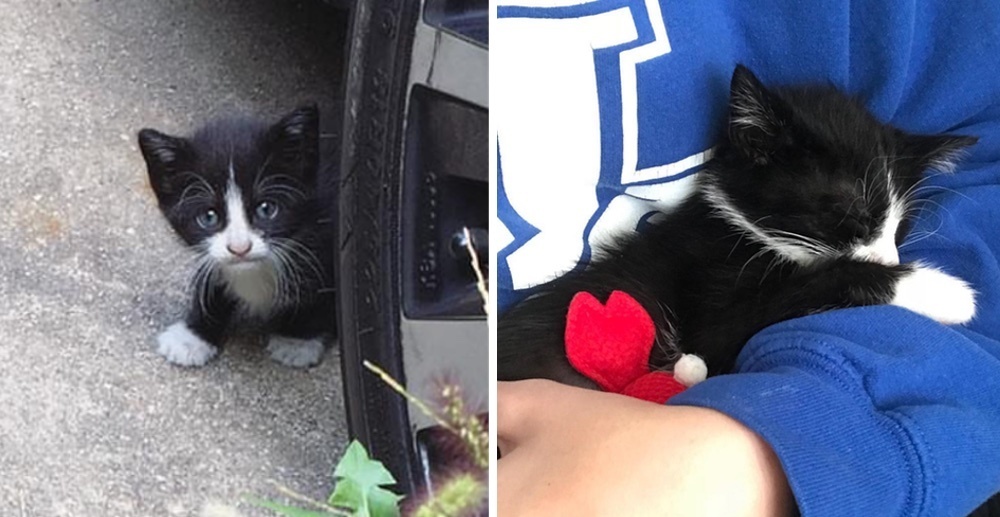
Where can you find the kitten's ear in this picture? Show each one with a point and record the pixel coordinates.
(162, 151)
(938, 152)
(165, 155)
(295, 140)
(754, 119)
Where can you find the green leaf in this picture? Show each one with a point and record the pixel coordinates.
(359, 485)
(383, 503)
(357, 465)
(348, 494)
(288, 511)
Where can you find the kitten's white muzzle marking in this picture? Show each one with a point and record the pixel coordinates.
(883, 250)
(242, 254)
(888, 256)
(237, 243)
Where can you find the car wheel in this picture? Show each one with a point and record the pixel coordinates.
(414, 172)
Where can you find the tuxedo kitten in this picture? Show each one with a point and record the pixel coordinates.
(800, 211)
(243, 195)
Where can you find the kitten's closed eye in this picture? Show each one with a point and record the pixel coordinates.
(857, 227)
(836, 181)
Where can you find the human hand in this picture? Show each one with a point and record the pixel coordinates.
(571, 451)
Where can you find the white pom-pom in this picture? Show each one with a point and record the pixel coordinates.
(690, 370)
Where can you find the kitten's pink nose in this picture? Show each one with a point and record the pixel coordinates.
(239, 249)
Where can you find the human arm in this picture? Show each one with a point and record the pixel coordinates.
(571, 451)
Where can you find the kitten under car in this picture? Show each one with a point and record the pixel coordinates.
(244, 196)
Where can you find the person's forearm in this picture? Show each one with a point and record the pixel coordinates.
(571, 451)
(723, 468)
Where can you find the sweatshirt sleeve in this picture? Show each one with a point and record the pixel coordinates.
(877, 410)
(872, 411)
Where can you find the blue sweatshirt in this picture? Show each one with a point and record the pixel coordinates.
(604, 111)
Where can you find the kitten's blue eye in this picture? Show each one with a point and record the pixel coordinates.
(208, 219)
(267, 210)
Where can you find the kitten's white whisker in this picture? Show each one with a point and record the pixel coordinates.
(918, 208)
(911, 191)
(280, 184)
(286, 278)
(922, 235)
(935, 203)
(289, 194)
(195, 192)
(944, 189)
(199, 180)
(887, 175)
(306, 256)
(848, 212)
(865, 181)
(763, 250)
(203, 280)
(864, 188)
(775, 263)
(260, 170)
(293, 262)
(199, 192)
(737, 243)
(666, 339)
(295, 270)
(794, 239)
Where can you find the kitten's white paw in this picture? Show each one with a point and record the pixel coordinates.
(297, 353)
(690, 370)
(937, 295)
(181, 346)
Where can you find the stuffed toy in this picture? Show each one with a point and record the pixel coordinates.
(610, 344)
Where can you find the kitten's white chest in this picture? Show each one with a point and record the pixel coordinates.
(255, 287)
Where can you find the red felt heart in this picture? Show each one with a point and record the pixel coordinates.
(654, 387)
(609, 343)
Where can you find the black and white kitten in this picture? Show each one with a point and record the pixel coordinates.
(243, 194)
(800, 211)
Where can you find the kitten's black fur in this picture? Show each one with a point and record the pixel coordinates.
(806, 160)
(273, 164)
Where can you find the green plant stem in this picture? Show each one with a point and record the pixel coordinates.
(292, 494)
(480, 281)
(398, 388)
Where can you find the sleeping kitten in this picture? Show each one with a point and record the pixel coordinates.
(800, 211)
(244, 196)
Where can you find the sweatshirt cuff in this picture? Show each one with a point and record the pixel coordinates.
(841, 455)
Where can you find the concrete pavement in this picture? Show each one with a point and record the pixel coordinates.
(92, 421)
